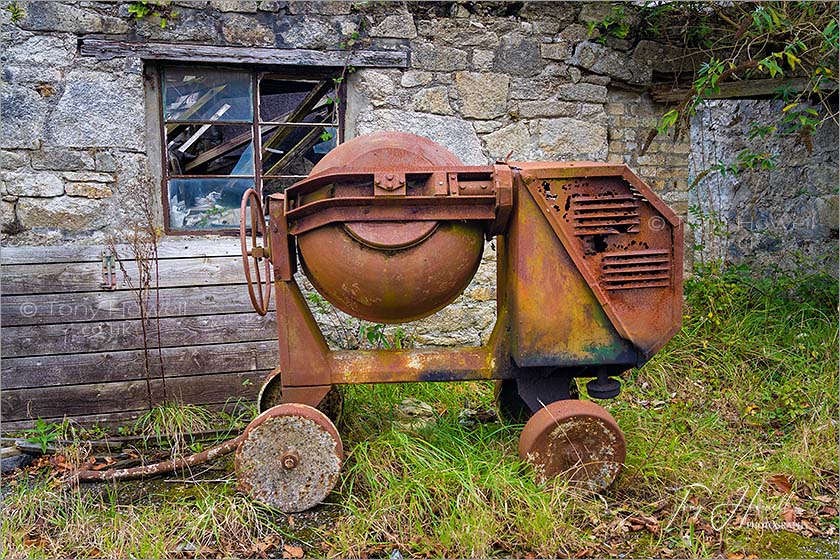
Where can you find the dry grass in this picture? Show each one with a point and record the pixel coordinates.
(732, 449)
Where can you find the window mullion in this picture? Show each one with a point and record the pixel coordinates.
(257, 141)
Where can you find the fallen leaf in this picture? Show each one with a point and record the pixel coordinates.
(781, 483)
(824, 499)
(788, 514)
(640, 521)
(735, 556)
(291, 551)
(827, 511)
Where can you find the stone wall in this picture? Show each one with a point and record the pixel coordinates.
(786, 216)
(484, 79)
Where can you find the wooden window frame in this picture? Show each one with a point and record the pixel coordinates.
(257, 72)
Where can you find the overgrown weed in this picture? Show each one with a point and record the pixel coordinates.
(732, 450)
(173, 423)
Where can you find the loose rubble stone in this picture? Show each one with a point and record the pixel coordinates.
(561, 12)
(62, 159)
(428, 56)
(374, 84)
(518, 56)
(99, 110)
(531, 109)
(244, 6)
(32, 183)
(572, 138)
(306, 33)
(42, 50)
(398, 26)
(664, 58)
(13, 160)
(57, 16)
(322, 7)
(105, 162)
(414, 415)
(12, 462)
(88, 190)
(484, 127)
(514, 137)
(413, 78)
(242, 30)
(64, 212)
(190, 25)
(603, 60)
(432, 100)
(8, 219)
(269, 6)
(453, 133)
(24, 117)
(582, 92)
(88, 176)
(483, 59)
(483, 95)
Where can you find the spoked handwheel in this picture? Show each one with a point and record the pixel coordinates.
(290, 458)
(576, 439)
(259, 285)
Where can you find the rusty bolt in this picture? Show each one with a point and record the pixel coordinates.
(290, 459)
(390, 176)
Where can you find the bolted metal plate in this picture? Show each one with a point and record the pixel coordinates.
(576, 439)
(290, 458)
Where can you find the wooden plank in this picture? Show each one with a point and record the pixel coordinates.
(110, 306)
(19, 279)
(127, 365)
(108, 336)
(105, 49)
(731, 90)
(122, 417)
(107, 398)
(173, 247)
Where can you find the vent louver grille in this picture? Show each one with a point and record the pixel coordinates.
(636, 269)
(598, 215)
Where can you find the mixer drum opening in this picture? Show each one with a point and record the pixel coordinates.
(352, 266)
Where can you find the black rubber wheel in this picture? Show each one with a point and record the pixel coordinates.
(514, 410)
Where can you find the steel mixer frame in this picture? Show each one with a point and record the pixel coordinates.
(606, 332)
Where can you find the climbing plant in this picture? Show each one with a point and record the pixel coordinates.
(755, 40)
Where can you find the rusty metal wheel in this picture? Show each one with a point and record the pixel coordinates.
(271, 394)
(290, 458)
(577, 439)
(260, 255)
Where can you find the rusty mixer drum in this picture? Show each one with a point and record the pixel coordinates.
(390, 271)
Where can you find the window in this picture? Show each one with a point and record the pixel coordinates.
(227, 130)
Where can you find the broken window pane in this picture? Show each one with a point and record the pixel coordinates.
(294, 150)
(210, 203)
(205, 149)
(297, 101)
(200, 94)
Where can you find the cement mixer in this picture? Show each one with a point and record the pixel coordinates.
(390, 227)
